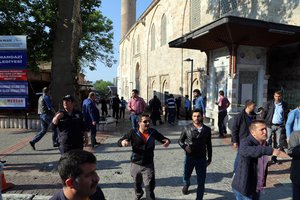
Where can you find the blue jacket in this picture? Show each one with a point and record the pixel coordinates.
(245, 178)
(199, 104)
(90, 111)
(293, 122)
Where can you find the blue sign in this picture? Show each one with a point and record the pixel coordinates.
(19, 88)
(13, 59)
(13, 102)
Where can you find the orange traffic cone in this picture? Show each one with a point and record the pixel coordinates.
(4, 185)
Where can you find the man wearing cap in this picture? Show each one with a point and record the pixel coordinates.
(46, 112)
(69, 121)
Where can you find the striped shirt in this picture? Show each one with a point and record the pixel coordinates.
(171, 103)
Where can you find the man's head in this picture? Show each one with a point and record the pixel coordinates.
(258, 129)
(187, 96)
(196, 93)
(122, 98)
(197, 116)
(144, 122)
(92, 96)
(68, 102)
(221, 93)
(250, 105)
(134, 93)
(77, 169)
(277, 96)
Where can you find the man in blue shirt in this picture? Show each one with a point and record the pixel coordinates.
(91, 116)
(293, 122)
(199, 102)
(46, 113)
(187, 107)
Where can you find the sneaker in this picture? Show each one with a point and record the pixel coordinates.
(185, 190)
(139, 195)
(32, 145)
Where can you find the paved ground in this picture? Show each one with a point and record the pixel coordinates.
(34, 172)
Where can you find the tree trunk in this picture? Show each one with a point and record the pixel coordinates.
(65, 66)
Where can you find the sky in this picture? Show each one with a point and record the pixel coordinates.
(112, 10)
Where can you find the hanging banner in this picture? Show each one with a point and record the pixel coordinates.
(13, 102)
(13, 59)
(19, 88)
(13, 42)
(13, 75)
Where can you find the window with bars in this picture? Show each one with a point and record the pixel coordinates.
(152, 37)
(163, 30)
(195, 13)
(227, 6)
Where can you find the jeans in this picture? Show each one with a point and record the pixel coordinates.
(200, 164)
(221, 125)
(93, 129)
(296, 191)
(239, 196)
(171, 115)
(122, 112)
(134, 121)
(46, 121)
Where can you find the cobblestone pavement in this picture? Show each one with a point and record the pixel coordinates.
(34, 172)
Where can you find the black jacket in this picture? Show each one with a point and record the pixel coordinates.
(97, 196)
(200, 143)
(142, 153)
(269, 109)
(245, 178)
(294, 152)
(240, 128)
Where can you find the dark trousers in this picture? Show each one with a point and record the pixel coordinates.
(143, 174)
(93, 134)
(187, 114)
(171, 115)
(200, 164)
(63, 149)
(221, 125)
(116, 113)
(296, 191)
(122, 112)
(104, 112)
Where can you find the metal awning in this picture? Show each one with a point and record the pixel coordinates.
(231, 30)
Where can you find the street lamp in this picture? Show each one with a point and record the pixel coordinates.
(192, 69)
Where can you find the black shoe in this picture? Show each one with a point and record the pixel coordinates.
(139, 195)
(55, 145)
(185, 190)
(32, 145)
(3, 161)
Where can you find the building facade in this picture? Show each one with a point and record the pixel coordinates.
(247, 48)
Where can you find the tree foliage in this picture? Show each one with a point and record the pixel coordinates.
(101, 86)
(37, 19)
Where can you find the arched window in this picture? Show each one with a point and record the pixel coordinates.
(195, 13)
(163, 30)
(152, 37)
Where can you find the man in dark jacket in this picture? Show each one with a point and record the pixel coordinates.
(116, 106)
(195, 139)
(142, 141)
(240, 128)
(91, 116)
(77, 169)
(275, 114)
(294, 152)
(251, 173)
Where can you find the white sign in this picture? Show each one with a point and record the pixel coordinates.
(12, 102)
(12, 42)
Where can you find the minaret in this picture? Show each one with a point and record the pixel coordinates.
(128, 15)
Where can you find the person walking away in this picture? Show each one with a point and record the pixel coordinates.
(178, 106)
(223, 104)
(46, 113)
(250, 176)
(91, 116)
(195, 140)
(103, 103)
(69, 122)
(142, 141)
(136, 106)
(275, 115)
(293, 121)
(240, 128)
(122, 107)
(156, 109)
(294, 152)
(171, 109)
(199, 102)
(116, 106)
(187, 107)
(77, 170)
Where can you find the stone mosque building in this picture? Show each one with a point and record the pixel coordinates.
(248, 48)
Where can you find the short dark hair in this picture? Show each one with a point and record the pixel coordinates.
(255, 122)
(278, 92)
(135, 91)
(199, 111)
(69, 163)
(221, 92)
(249, 102)
(142, 115)
(197, 91)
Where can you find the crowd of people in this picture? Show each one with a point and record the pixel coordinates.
(256, 137)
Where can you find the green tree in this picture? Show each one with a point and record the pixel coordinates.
(101, 86)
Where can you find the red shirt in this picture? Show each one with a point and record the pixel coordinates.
(136, 105)
(223, 103)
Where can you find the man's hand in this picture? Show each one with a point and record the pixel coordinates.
(125, 143)
(188, 149)
(208, 163)
(57, 117)
(235, 146)
(166, 143)
(94, 123)
(277, 152)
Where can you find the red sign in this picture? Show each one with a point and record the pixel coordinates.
(13, 75)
